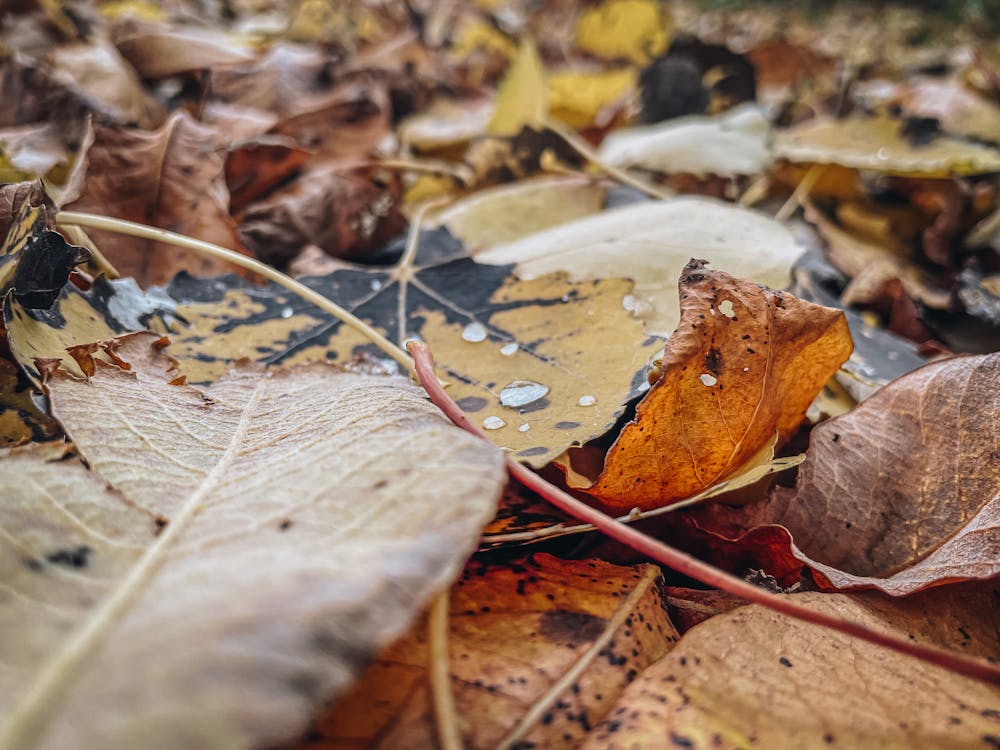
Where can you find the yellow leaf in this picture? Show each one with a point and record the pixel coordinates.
(479, 35)
(522, 99)
(578, 98)
(635, 30)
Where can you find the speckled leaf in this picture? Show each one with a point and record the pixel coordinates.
(544, 364)
(753, 678)
(515, 630)
(323, 508)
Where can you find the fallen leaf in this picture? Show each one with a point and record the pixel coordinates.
(496, 216)
(522, 100)
(446, 123)
(903, 492)
(585, 98)
(542, 364)
(32, 151)
(255, 167)
(753, 677)
(583, 629)
(22, 418)
(733, 143)
(743, 365)
(959, 110)
(157, 51)
(324, 532)
(649, 243)
(876, 143)
(634, 30)
(170, 178)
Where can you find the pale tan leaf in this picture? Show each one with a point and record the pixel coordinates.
(306, 516)
(650, 243)
(522, 100)
(753, 678)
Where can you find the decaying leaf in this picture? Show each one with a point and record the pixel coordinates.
(22, 419)
(323, 508)
(743, 365)
(650, 243)
(171, 178)
(542, 364)
(733, 143)
(903, 492)
(876, 143)
(751, 677)
(517, 632)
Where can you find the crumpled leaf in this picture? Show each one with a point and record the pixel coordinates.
(514, 631)
(903, 492)
(744, 364)
(35, 260)
(650, 243)
(751, 677)
(171, 178)
(323, 531)
(635, 30)
(876, 143)
(733, 143)
(522, 100)
(519, 355)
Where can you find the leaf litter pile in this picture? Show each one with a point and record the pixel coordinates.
(710, 453)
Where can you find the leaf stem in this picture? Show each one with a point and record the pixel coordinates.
(134, 229)
(686, 564)
(583, 148)
(445, 715)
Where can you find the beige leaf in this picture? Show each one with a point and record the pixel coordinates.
(271, 533)
(522, 100)
(753, 678)
(651, 243)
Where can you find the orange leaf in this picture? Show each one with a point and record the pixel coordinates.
(744, 363)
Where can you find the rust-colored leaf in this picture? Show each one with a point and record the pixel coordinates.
(744, 363)
(171, 178)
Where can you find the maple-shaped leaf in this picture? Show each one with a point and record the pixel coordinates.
(900, 494)
(541, 646)
(753, 677)
(232, 557)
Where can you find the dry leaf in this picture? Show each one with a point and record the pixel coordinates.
(515, 631)
(583, 98)
(322, 508)
(650, 243)
(256, 166)
(634, 30)
(170, 178)
(903, 492)
(744, 363)
(876, 143)
(752, 677)
(22, 417)
(733, 143)
(161, 52)
(522, 100)
(446, 124)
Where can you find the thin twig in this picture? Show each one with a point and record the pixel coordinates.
(134, 229)
(686, 564)
(802, 190)
(445, 715)
(583, 148)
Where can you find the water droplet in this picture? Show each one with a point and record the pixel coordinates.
(746, 369)
(493, 423)
(708, 379)
(586, 401)
(522, 392)
(882, 153)
(640, 308)
(523, 427)
(643, 386)
(892, 356)
(287, 312)
(474, 333)
(508, 349)
(376, 285)
(565, 298)
(726, 308)
(711, 310)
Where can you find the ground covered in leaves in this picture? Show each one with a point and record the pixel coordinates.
(731, 275)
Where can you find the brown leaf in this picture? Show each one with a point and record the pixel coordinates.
(234, 555)
(752, 677)
(170, 178)
(744, 364)
(158, 51)
(515, 630)
(255, 166)
(903, 492)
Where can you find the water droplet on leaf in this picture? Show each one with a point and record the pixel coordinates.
(493, 423)
(522, 392)
(474, 333)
